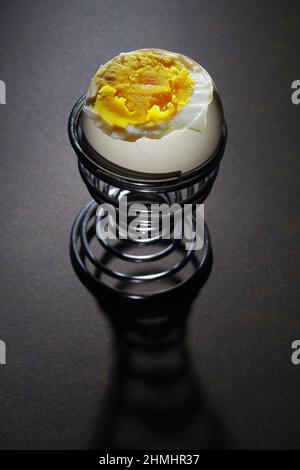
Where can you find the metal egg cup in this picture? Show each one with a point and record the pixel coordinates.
(144, 268)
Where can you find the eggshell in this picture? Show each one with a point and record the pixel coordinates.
(180, 150)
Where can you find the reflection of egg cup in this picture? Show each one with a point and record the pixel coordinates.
(142, 268)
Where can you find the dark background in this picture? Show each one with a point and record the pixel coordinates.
(69, 381)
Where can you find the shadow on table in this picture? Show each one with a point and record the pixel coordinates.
(154, 399)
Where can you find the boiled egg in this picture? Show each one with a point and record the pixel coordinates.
(153, 111)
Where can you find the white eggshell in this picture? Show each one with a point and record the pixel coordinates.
(180, 150)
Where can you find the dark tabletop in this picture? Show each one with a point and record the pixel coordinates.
(73, 379)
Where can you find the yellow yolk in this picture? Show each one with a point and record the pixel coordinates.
(143, 88)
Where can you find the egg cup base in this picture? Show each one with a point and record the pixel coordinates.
(95, 263)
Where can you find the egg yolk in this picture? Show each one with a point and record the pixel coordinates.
(141, 89)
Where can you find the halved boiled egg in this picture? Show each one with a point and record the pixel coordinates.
(153, 111)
